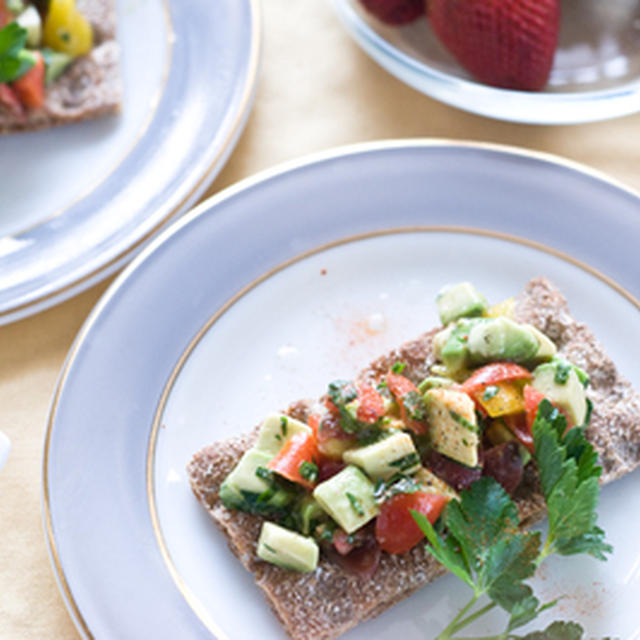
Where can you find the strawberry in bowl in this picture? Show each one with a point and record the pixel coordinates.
(503, 43)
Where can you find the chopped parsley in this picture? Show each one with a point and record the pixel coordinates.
(308, 471)
(463, 422)
(284, 423)
(406, 462)
(15, 60)
(356, 505)
(490, 392)
(398, 367)
(563, 369)
(414, 405)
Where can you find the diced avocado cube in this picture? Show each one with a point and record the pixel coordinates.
(546, 348)
(56, 62)
(568, 395)
(30, 20)
(453, 426)
(244, 477)
(348, 498)
(287, 549)
(451, 344)
(501, 339)
(276, 430)
(460, 301)
(430, 483)
(382, 459)
(435, 382)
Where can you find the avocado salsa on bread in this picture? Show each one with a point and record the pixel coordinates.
(317, 499)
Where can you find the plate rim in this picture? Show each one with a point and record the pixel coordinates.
(265, 175)
(47, 299)
(384, 53)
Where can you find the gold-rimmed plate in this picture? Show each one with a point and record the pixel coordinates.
(260, 296)
(79, 201)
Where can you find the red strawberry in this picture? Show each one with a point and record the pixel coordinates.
(395, 11)
(504, 43)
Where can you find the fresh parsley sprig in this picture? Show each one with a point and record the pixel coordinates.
(15, 60)
(485, 547)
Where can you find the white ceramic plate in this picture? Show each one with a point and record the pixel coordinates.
(595, 76)
(78, 201)
(264, 294)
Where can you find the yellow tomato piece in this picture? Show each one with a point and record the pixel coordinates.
(506, 400)
(66, 29)
(504, 308)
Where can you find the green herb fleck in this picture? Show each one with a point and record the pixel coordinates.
(415, 406)
(308, 471)
(269, 548)
(398, 367)
(463, 422)
(490, 392)
(15, 60)
(406, 462)
(284, 423)
(355, 503)
(563, 369)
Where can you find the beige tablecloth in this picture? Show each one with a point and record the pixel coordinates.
(316, 90)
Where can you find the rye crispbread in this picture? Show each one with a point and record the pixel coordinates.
(91, 87)
(329, 601)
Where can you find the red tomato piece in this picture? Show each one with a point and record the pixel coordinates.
(30, 86)
(532, 398)
(400, 386)
(10, 100)
(492, 373)
(300, 448)
(5, 15)
(314, 422)
(371, 404)
(519, 425)
(396, 530)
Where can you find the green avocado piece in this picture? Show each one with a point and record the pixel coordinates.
(55, 64)
(382, 459)
(460, 301)
(501, 339)
(277, 429)
(244, 476)
(348, 498)
(562, 385)
(546, 348)
(451, 344)
(287, 549)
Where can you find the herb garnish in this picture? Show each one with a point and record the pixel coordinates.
(414, 405)
(15, 60)
(490, 392)
(284, 423)
(398, 367)
(308, 471)
(486, 549)
(406, 462)
(355, 503)
(563, 369)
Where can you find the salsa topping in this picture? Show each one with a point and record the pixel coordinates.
(378, 452)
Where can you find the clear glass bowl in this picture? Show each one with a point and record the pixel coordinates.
(596, 72)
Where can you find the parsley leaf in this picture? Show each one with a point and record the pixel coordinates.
(569, 473)
(15, 61)
(484, 546)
